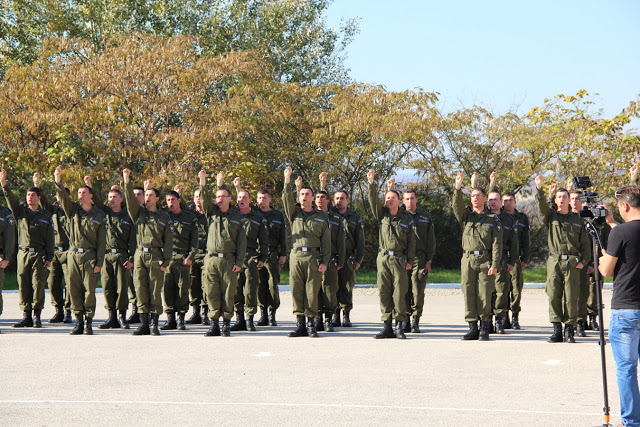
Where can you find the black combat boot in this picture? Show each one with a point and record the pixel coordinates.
(111, 322)
(492, 329)
(568, 334)
(59, 316)
(399, 331)
(328, 323)
(506, 324)
(593, 323)
(37, 323)
(226, 327)
(88, 329)
(181, 326)
(272, 317)
(386, 332)
(311, 327)
(143, 329)
(335, 319)
(195, 318)
(557, 333)
(135, 317)
(515, 321)
(67, 317)
(499, 325)
(300, 330)
(170, 324)
(264, 318)
(122, 319)
(580, 328)
(26, 322)
(79, 328)
(346, 322)
(483, 334)
(317, 323)
(241, 324)
(473, 332)
(205, 315)
(214, 329)
(406, 325)
(415, 324)
(250, 326)
(155, 317)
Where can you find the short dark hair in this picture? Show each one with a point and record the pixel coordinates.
(306, 187)
(342, 191)
(411, 190)
(323, 192)
(561, 190)
(264, 191)
(36, 190)
(87, 187)
(137, 187)
(480, 189)
(509, 194)
(629, 194)
(575, 191)
(155, 190)
(394, 191)
(115, 190)
(174, 194)
(224, 188)
(497, 192)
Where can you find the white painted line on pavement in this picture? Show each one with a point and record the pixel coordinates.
(552, 362)
(292, 405)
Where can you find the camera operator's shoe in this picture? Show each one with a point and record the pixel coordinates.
(580, 327)
(473, 332)
(568, 334)
(557, 333)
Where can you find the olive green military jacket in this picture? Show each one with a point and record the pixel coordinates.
(87, 229)
(257, 234)
(425, 233)
(154, 229)
(60, 222)
(566, 235)
(354, 234)
(203, 228)
(522, 229)
(7, 234)
(121, 233)
(338, 239)
(35, 228)
(509, 238)
(480, 232)
(308, 229)
(185, 234)
(397, 232)
(227, 230)
(277, 226)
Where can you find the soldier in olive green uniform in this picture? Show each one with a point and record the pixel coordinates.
(59, 272)
(310, 253)
(177, 277)
(35, 244)
(87, 243)
(421, 266)
(268, 292)
(481, 258)
(396, 255)
(7, 244)
(509, 259)
(154, 252)
(197, 295)
(226, 248)
(246, 297)
(328, 298)
(116, 272)
(569, 252)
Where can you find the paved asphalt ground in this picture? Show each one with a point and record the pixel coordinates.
(48, 377)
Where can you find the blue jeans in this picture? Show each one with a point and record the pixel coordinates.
(624, 335)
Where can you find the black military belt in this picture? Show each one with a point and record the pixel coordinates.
(305, 249)
(561, 257)
(475, 252)
(391, 253)
(27, 249)
(148, 249)
(61, 248)
(83, 250)
(115, 250)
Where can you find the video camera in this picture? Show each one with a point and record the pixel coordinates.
(592, 210)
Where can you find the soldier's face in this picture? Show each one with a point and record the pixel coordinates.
(305, 197)
(32, 199)
(150, 199)
(264, 200)
(84, 195)
(478, 199)
(322, 201)
(243, 200)
(115, 200)
(173, 203)
(196, 199)
(562, 201)
(509, 203)
(574, 202)
(391, 200)
(340, 200)
(139, 196)
(410, 201)
(223, 199)
(494, 201)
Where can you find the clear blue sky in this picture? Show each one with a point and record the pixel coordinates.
(498, 53)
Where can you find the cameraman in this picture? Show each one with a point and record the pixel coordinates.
(622, 258)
